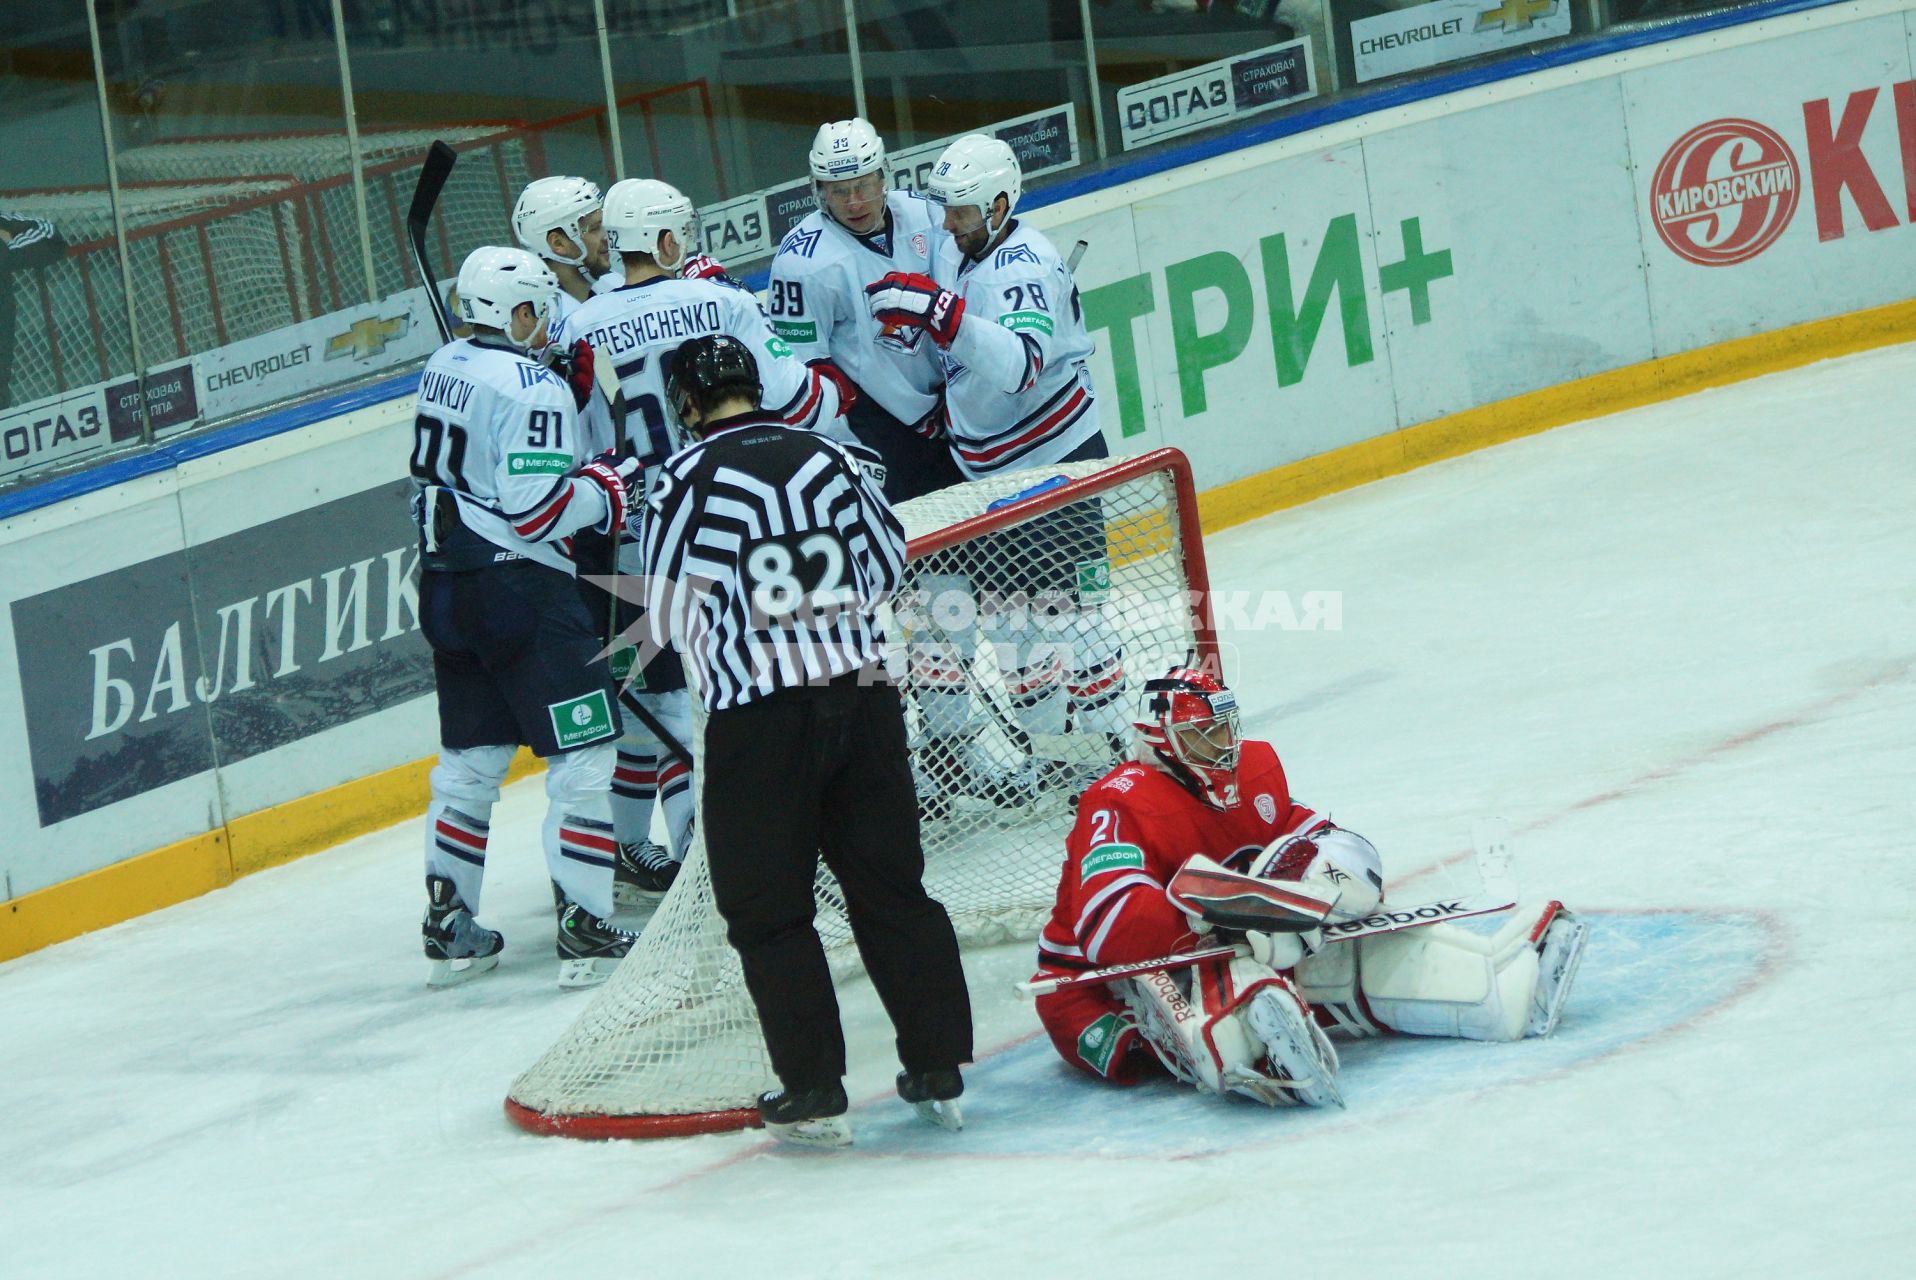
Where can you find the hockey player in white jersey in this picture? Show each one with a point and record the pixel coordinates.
(863, 229)
(1002, 312)
(559, 219)
(503, 475)
(651, 227)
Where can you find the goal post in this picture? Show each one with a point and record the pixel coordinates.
(1101, 557)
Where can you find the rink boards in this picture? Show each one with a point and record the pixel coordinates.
(217, 662)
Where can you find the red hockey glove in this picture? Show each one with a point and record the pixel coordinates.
(700, 266)
(575, 366)
(847, 389)
(905, 298)
(616, 473)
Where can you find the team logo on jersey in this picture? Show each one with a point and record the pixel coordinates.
(1110, 857)
(801, 242)
(1016, 253)
(577, 721)
(920, 245)
(1266, 807)
(531, 375)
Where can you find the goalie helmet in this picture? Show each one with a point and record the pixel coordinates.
(705, 370)
(974, 171)
(1190, 723)
(494, 280)
(638, 213)
(846, 149)
(555, 204)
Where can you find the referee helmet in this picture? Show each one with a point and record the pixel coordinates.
(707, 370)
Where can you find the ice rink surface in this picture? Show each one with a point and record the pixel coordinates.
(1672, 648)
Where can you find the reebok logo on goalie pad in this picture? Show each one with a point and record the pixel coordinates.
(1110, 857)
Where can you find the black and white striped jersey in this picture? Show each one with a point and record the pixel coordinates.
(767, 553)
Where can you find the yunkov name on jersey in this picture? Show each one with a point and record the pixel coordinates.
(768, 552)
(818, 303)
(1134, 829)
(499, 431)
(1017, 388)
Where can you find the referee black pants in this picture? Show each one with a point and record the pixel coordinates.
(814, 771)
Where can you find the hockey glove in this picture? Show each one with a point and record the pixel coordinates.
(616, 474)
(847, 389)
(702, 266)
(574, 365)
(906, 298)
(1284, 950)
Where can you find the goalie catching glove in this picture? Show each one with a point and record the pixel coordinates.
(917, 301)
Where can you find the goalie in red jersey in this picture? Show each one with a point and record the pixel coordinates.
(1202, 805)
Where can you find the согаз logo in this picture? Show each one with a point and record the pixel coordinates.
(1724, 192)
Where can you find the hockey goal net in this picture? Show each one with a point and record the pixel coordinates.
(670, 1045)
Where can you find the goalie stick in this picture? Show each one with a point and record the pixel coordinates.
(1386, 919)
(433, 173)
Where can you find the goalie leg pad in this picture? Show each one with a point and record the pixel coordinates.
(1328, 980)
(1441, 980)
(1208, 1038)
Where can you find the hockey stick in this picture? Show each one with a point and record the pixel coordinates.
(1077, 256)
(630, 702)
(608, 379)
(440, 159)
(1385, 920)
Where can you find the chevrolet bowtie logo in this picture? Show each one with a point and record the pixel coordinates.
(1515, 15)
(367, 337)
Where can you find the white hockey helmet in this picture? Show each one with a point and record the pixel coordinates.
(846, 149)
(494, 280)
(974, 171)
(555, 204)
(639, 211)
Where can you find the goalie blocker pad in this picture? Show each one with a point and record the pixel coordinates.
(1209, 891)
(1441, 980)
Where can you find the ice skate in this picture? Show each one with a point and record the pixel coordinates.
(808, 1118)
(458, 946)
(934, 1095)
(589, 948)
(642, 873)
(1559, 953)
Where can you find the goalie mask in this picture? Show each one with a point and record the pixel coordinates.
(1190, 722)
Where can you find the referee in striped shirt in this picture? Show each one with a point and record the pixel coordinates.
(767, 554)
